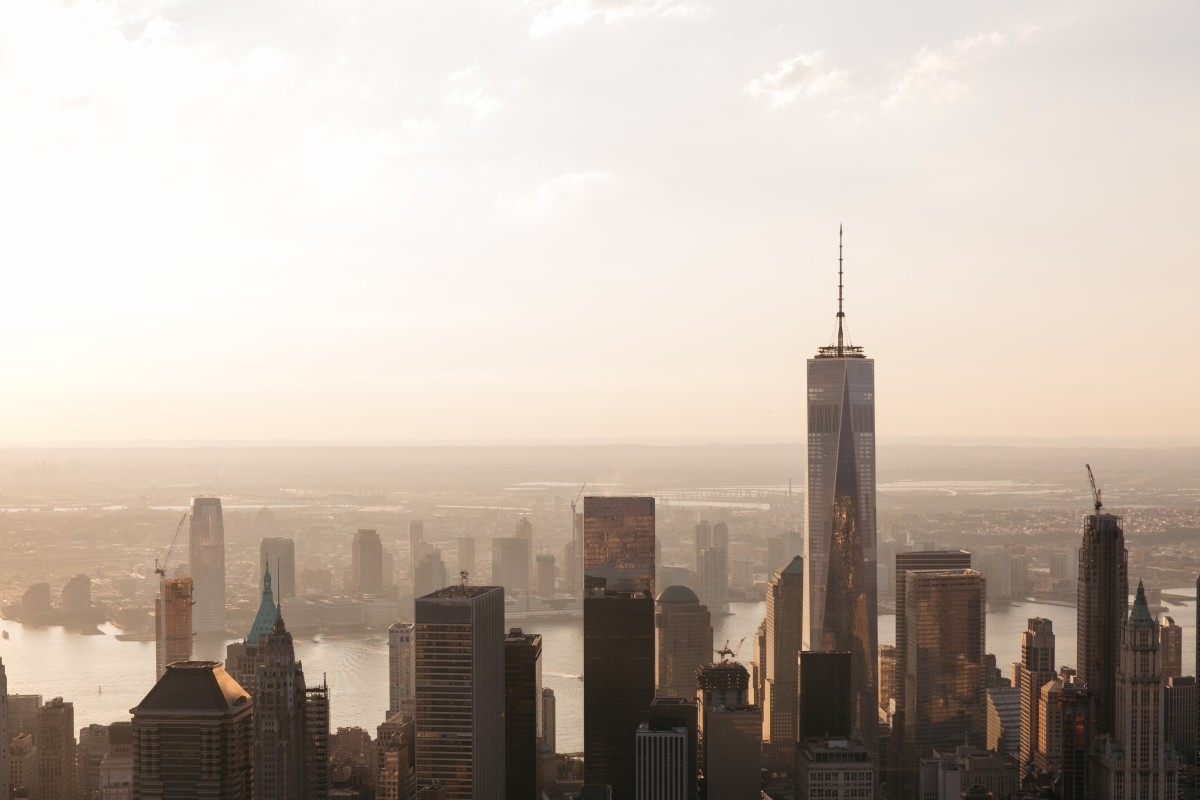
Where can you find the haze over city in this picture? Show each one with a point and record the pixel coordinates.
(578, 220)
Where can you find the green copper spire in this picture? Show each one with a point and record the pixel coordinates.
(1141, 611)
(267, 613)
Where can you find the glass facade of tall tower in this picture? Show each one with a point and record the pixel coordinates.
(840, 508)
(206, 553)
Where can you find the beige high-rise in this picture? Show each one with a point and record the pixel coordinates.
(683, 641)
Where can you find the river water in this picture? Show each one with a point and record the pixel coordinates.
(105, 677)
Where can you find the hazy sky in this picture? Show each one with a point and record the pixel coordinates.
(577, 219)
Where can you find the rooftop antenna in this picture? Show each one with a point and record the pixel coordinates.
(841, 314)
(1095, 491)
(462, 576)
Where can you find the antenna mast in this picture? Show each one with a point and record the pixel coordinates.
(1095, 491)
(840, 314)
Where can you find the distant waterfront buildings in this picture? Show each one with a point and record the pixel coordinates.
(683, 637)
(367, 562)
(206, 556)
(459, 643)
(280, 555)
(840, 577)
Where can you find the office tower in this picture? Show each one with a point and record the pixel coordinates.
(840, 508)
(683, 641)
(23, 713)
(834, 768)
(522, 712)
(1170, 639)
(115, 776)
(241, 658)
(510, 563)
(1035, 671)
(6, 734)
(570, 561)
(316, 742)
(206, 554)
(1180, 728)
(712, 566)
(824, 701)
(905, 563)
(783, 627)
(618, 636)
(729, 733)
(36, 604)
(172, 623)
(279, 717)
(193, 736)
(367, 559)
(944, 692)
(396, 759)
(1134, 760)
(416, 546)
(22, 766)
(466, 554)
(1048, 748)
(666, 750)
(280, 554)
(1102, 606)
(545, 574)
(77, 599)
(702, 543)
(55, 739)
(459, 643)
(889, 676)
(401, 686)
(430, 574)
(1004, 720)
(548, 746)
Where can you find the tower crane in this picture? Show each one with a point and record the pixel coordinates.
(725, 653)
(573, 504)
(162, 570)
(1095, 491)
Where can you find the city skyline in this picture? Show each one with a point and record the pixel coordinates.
(473, 177)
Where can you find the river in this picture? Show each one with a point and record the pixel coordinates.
(105, 677)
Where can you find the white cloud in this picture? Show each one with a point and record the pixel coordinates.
(935, 73)
(564, 189)
(803, 75)
(554, 15)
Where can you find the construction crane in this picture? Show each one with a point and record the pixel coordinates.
(1095, 491)
(574, 503)
(725, 653)
(162, 570)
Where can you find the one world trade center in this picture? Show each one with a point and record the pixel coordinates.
(840, 507)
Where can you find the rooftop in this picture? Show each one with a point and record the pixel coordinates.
(196, 687)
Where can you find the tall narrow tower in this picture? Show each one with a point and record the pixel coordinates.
(1102, 606)
(840, 507)
(780, 703)
(1035, 671)
(173, 623)
(206, 553)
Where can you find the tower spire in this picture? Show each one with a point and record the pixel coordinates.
(841, 314)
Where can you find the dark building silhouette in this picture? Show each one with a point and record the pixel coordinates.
(458, 641)
(729, 733)
(193, 736)
(316, 742)
(825, 698)
(396, 753)
(618, 636)
(1074, 727)
(522, 713)
(1103, 604)
(55, 740)
(77, 599)
(367, 562)
(280, 554)
(206, 556)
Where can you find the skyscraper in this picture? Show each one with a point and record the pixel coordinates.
(396, 763)
(522, 713)
(55, 739)
(173, 623)
(77, 599)
(824, 699)
(6, 734)
(193, 736)
(618, 636)
(785, 610)
(466, 554)
(666, 750)
(1170, 637)
(944, 695)
(840, 507)
(683, 637)
(459, 642)
(545, 574)
(712, 566)
(279, 717)
(905, 563)
(1102, 606)
(730, 733)
(401, 686)
(316, 742)
(510, 563)
(206, 554)
(280, 554)
(367, 558)
(1035, 671)
(1134, 757)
